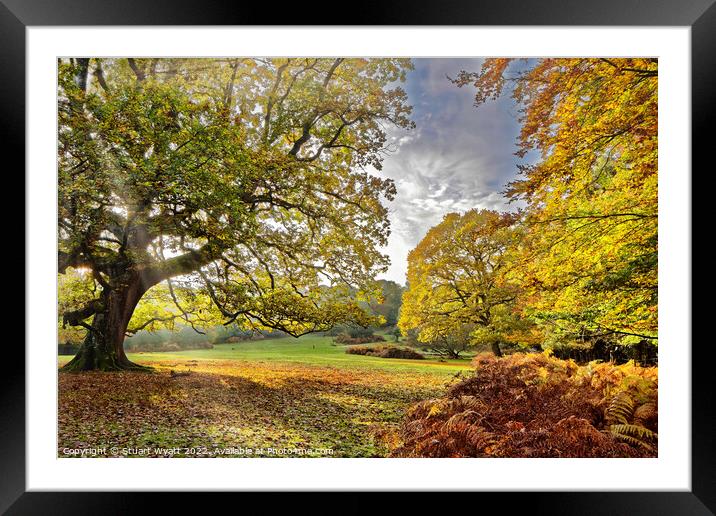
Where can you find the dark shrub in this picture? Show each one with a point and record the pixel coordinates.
(358, 350)
(359, 332)
(69, 348)
(644, 352)
(169, 346)
(385, 352)
(345, 338)
(393, 352)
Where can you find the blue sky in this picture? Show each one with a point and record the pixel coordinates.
(458, 157)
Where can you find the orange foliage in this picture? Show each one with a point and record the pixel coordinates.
(534, 405)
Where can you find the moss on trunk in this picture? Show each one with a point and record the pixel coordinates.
(103, 347)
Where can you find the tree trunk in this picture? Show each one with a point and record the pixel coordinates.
(496, 349)
(103, 347)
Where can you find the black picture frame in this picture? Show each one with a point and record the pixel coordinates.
(16, 15)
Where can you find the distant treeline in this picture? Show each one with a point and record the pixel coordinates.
(184, 337)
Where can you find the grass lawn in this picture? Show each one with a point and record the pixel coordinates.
(277, 397)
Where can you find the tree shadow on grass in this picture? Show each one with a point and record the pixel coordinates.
(205, 414)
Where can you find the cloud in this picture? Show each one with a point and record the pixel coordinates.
(459, 157)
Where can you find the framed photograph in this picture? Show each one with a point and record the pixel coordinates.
(436, 249)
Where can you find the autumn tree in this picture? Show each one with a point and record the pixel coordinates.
(387, 304)
(458, 290)
(243, 179)
(456, 340)
(589, 259)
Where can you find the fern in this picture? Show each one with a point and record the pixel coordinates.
(635, 435)
(532, 405)
(620, 409)
(646, 413)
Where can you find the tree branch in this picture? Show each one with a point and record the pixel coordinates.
(137, 71)
(75, 317)
(183, 264)
(308, 124)
(132, 331)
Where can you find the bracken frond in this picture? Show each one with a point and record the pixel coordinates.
(620, 409)
(634, 434)
(535, 405)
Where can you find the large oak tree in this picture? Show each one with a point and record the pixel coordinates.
(244, 178)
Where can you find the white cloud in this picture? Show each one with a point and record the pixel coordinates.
(459, 157)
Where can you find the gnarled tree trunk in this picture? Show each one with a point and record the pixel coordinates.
(103, 347)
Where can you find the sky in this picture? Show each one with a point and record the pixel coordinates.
(457, 158)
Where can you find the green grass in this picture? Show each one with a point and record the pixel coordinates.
(306, 350)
